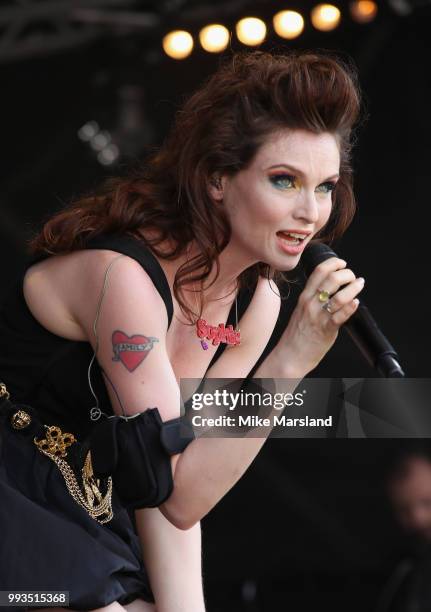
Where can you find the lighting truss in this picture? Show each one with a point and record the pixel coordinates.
(40, 27)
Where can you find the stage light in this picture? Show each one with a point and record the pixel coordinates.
(363, 11)
(100, 140)
(109, 155)
(214, 38)
(251, 31)
(178, 44)
(325, 17)
(288, 24)
(88, 131)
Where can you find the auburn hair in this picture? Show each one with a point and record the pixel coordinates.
(218, 130)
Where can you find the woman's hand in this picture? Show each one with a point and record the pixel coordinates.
(314, 325)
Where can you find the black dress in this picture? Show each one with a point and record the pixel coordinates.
(48, 541)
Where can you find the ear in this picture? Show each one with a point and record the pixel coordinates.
(216, 187)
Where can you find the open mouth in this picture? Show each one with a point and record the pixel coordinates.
(292, 238)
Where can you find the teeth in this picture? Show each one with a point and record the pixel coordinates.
(300, 236)
(291, 242)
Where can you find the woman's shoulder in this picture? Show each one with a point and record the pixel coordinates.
(62, 290)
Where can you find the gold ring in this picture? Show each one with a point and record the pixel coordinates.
(323, 295)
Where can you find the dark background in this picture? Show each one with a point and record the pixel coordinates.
(308, 524)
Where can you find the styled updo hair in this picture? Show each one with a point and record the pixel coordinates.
(218, 130)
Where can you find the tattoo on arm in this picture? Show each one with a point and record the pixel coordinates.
(121, 351)
(131, 350)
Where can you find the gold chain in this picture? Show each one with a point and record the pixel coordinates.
(56, 441)
(90, 486)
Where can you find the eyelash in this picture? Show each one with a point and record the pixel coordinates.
(330, 185)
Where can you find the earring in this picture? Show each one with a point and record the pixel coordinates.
(216, 182)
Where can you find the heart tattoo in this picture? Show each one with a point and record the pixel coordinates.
(131, 350)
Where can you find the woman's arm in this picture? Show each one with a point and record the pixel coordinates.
(208, 468)
(173, 561)
(311, 332)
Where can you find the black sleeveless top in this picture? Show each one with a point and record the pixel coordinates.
(39, 519)
(52, 373)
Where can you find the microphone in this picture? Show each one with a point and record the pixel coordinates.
(361, 327)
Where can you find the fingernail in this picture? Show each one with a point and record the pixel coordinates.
(356, 301)
(361, 280)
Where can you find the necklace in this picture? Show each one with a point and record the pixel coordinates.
(218, 334)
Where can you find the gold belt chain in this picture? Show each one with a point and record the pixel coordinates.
(92, 499)
(54, 446)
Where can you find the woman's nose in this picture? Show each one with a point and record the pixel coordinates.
(307, 207)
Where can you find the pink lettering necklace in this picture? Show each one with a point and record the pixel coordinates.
(218, 334)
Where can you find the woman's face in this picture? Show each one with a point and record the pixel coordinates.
(286, 188)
